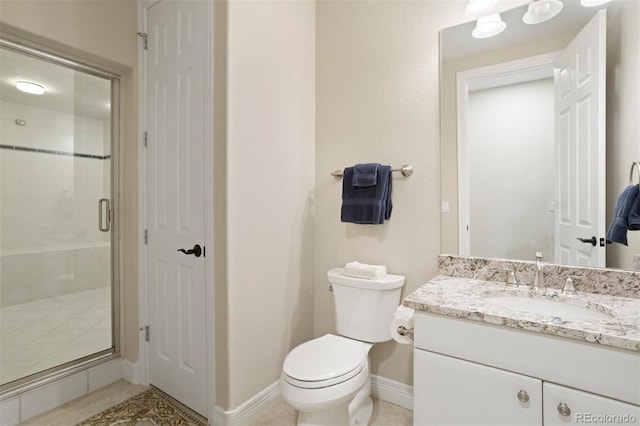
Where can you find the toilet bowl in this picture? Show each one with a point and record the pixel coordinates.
(322, 377)
(327, 379)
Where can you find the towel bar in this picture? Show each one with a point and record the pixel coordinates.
(406, 170)
(634, 165)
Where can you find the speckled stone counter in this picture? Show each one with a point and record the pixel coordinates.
(614, 282)
(465, 298)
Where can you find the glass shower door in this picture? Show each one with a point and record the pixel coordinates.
(55, 257)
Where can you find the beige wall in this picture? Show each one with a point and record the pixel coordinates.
(266, 287)
(377, 101)
(101, 33)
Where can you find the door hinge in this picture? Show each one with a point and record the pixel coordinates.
(146, 332)
(146, 139)
(145, 40)
(146, 236)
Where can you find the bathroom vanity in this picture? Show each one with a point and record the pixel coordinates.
(489, 353)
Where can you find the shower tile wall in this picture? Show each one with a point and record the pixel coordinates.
(50, 243)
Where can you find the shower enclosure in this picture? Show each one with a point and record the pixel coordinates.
(57, 127)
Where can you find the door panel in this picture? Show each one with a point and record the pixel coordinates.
(175, 217)
(580, 146)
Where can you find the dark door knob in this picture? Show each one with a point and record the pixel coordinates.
(593, 241)
(196, 250)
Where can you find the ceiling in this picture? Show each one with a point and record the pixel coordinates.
(66, 90)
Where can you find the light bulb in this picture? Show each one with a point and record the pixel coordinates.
(542, 10)
(489, 26)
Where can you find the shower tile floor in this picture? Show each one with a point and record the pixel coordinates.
(38, 335)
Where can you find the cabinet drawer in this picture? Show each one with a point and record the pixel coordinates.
(581, 408)
(450, 391)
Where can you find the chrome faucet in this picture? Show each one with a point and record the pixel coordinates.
(538, 281)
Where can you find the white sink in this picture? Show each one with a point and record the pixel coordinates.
(570, 309)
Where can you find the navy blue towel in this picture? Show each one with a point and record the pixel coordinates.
(626, 215)
(365, 174)
(366, 204)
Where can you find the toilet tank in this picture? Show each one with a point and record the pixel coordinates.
(364, 308)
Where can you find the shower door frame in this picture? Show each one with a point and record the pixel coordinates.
(73, 366)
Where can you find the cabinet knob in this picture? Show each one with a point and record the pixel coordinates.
(523, 396)
(564, 409)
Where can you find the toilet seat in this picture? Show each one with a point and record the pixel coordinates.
(325, 361)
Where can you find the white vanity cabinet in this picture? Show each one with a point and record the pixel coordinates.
(472, 373)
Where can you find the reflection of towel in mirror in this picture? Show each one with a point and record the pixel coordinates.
(626, 215)
(367, 204)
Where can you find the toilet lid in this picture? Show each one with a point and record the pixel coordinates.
(325, 358)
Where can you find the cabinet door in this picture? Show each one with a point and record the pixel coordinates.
(449, 391)
(566, 406)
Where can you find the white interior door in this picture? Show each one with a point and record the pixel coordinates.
(580, 147)
(175, 201)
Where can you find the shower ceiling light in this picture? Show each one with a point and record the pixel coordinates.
(592, 3)
(33, 88)
(489, 26)
(542, 10)
(481, 8)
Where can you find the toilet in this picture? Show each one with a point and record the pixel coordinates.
(327, 379)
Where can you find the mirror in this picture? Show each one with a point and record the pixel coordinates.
(535, 169)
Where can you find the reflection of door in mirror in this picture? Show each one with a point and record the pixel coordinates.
(580, 147)
(462, 55)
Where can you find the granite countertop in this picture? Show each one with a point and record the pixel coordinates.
(465, 298)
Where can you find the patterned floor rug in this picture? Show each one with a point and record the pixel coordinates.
(149, 408)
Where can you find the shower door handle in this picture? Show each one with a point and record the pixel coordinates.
(107, 207)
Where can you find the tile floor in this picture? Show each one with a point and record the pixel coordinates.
(39, 335)
(384, 413)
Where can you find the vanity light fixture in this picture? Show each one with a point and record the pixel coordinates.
(542, 10)
(28, 87)
(593, 3)
(481, 8)
(489, 26)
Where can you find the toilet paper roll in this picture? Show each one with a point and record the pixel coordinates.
(402, 317)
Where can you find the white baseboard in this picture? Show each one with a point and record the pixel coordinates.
(219, 416)
(251, 409)
(391, 391)
(381, 388)
(131, 372)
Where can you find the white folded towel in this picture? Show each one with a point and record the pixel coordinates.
(362, 270)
